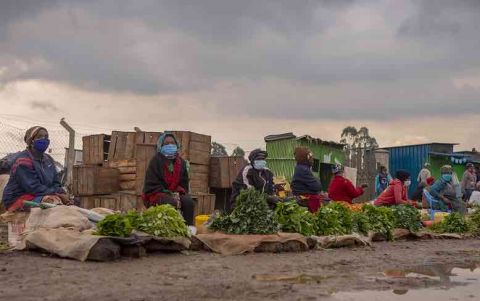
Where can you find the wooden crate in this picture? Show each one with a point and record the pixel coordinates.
(194, 147)
(122, 146)
(95, 149)
(150, 138)
(224, 170)
(95, 180)
(120, 201)
(204, 203)
(143, 155)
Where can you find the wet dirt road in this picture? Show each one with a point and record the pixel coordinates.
(341, 274)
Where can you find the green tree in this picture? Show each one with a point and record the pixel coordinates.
(353, 138)
(218, 150)
(238, 152)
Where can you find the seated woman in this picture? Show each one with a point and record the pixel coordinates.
(166, 179)
(396, 193)
(255, 175)
(444, 190)
(342, 189)
(417, 195)
(33, 176)
(304, 184)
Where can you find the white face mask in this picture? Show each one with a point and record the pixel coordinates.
(407, 183)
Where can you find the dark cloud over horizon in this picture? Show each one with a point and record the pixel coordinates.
(288, 59)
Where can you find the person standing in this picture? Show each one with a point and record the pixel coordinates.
(469, 181)
(424, 174)
(382, 180)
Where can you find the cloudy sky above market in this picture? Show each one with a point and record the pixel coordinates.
(240, 70)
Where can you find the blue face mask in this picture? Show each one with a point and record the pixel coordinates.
(41, 145)
(447, 177)
(259, 164)
(169, 151)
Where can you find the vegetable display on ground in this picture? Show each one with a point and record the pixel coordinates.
(115, 225)
(295, 218)
(250, 216)
(452, 223)
(334, 219)
(407, 217)
(380, 220)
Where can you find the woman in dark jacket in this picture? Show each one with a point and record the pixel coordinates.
(166, 179)
(304, 184)
(254, 175)
(33, 176)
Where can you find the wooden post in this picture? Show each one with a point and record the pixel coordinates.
(71, 153)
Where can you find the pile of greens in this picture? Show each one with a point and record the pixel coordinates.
(115, 225)
(295, 218)
(380, 220)
(452, 223)
(334, 219)
(250, 216)
(361, 224)
(407, 217)
(162, 221)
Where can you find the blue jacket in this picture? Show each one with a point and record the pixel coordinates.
(381, 183)
(438, 188)
(37, 177)
(303, 181)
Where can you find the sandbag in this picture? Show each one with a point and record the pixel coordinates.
(332, 241)
(230, 244)
(57, 217)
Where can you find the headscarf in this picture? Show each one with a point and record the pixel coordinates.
(426, 165)
(303, 155)
(162, 138)
(446, 169)
(337, 168)
(402, 175)
(31, 133)
(257, 154)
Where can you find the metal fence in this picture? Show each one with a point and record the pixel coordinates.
(12, 140)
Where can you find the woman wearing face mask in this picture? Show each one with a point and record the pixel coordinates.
(166, 179)
(396, 193)
(304, 185)
(444, 191)
(33, 176)
(254, 175)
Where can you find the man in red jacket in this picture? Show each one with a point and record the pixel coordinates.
(342, 189)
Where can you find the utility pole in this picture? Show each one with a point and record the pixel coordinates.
(71, 153)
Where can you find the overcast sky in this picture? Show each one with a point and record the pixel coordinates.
(239, 70)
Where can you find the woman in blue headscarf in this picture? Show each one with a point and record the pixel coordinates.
(166, 179)
(444, 191)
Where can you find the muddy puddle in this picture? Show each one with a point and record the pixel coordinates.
(431, 281)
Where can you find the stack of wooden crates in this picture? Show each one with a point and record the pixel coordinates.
(113, 170)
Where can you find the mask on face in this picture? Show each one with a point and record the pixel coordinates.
(407, 183)
(259, 164)
(447, 177)
(169, 151)
(41, 145)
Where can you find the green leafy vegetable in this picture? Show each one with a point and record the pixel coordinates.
(250, 216)
(452, 223)
(295, 218)
(334, 219)
(162, 221)
(407, 217)
(361, 224)
(114, 225)
(380, 219)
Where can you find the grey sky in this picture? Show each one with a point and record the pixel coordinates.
(364, 60)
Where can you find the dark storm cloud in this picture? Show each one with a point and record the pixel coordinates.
(287, 59)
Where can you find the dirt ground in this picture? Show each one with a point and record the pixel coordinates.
(205, 276)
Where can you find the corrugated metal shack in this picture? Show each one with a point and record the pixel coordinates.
(281, 159)
(413, 157)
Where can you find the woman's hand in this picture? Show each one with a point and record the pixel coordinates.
(52, 199)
